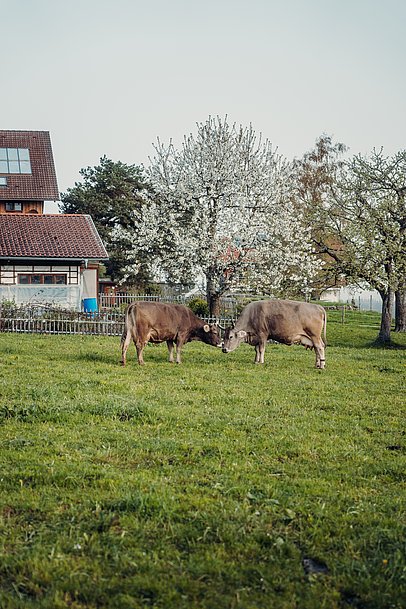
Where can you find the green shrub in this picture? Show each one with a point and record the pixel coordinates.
(199, 306)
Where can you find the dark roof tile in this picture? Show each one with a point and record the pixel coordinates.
(41, 184)
(50, 236)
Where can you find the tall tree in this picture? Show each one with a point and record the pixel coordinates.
(378, 204)
(400, 309)
(363, 211)
(223, 211)
(316, 179)
(112, 193)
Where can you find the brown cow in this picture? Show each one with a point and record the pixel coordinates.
(285, 321)
(156, 322)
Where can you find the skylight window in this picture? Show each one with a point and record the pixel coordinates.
(15, 160)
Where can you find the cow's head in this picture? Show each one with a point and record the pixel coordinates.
(232, 339)
(211, 335)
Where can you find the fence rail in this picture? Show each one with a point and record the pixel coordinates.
(41, 319)
(229, 305)
(117, 301)
(62, 326)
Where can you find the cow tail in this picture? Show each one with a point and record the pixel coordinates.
(325, 327)
(126, 325)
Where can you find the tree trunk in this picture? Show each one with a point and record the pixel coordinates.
(400, 310)
(213, 297)
(386, 317)
(214, 304)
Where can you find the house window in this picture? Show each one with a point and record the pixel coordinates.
(41, 279)
(15, 160)
(3, 181)
(14, 206)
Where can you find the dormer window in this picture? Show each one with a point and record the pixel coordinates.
(14, 206)
(15, 160)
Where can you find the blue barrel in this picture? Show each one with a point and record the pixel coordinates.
(90, 305)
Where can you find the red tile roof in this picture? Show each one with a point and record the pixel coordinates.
(41, 184)
(50, 236)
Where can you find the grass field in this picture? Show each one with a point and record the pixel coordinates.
(213, 484)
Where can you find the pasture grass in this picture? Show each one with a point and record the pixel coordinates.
(213, 484)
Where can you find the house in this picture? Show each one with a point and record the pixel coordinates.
(44, 258)
(363, 299)
(27, 172)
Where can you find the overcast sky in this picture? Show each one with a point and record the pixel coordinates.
(107, 77)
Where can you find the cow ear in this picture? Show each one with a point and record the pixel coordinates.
(242, 334)
(206, 328)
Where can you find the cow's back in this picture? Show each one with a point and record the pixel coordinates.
(157, 321)
(281, 319)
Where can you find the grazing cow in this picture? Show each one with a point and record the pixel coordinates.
(156, 322)
(284, 321)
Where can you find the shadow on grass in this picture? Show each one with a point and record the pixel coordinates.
(114, 359)
(392, 345)
(94, 357)
(360, 343)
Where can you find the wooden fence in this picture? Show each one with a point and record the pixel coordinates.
(41, 319)
(121, 300)
(38, 319)
(46, 321)
(229, 305)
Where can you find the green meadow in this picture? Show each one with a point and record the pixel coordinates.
(214, 484)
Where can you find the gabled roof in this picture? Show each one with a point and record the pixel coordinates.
(57, 236)
(40, 184)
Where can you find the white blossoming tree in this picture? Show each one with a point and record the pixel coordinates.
(223, 211)
(369, 215)
(360, 216)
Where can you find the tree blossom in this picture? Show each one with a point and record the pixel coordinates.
(223, 210)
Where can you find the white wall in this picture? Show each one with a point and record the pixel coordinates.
(89, 283)
(64, 296)
(51, 207)
(365, 300)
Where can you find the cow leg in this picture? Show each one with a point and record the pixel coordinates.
(312, 343)
(125, 343)
(170, 349)
(320, 356)
(260, 353)
(179, 346)
(140, 348)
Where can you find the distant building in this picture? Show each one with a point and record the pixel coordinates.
(44, 258)
(363, 299)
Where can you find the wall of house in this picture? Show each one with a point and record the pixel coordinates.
(67, 295)
(28, 207)
(9, 272)
(64, 296)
